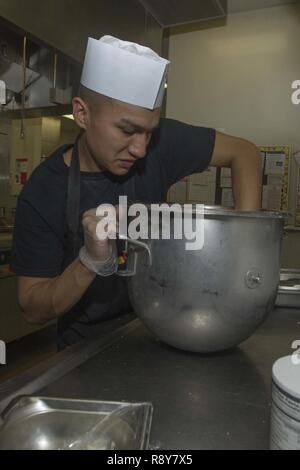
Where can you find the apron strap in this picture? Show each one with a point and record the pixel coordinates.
(73, 202)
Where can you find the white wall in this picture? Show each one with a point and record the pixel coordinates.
(238, 77)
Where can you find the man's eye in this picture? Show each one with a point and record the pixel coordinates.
(127, 132)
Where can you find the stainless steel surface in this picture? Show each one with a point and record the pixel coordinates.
(172, 13)
(42, 423)
(28, 382)
(23, 100)
(289, 288)
(28, 74)
(200, 401)
(224, 211)
(236, 6)
(127, 20)
(214, 298)
(4, 157)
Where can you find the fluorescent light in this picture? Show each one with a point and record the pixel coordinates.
(68, 116)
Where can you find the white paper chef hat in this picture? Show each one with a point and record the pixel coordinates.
(125, 71)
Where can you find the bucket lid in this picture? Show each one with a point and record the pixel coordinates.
(286, 374)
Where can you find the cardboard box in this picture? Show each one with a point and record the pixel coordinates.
(207, 177)
(275, 164)
(225, 178)
(271, 197)
(227, 197)
(263, 156)
(274, 180)
(225, 172)
(202, 193)
(178, 192)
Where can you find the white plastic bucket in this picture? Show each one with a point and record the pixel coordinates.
(285, 414)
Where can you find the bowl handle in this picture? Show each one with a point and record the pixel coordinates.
(124, 243)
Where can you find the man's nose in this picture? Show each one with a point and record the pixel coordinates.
(138, 146)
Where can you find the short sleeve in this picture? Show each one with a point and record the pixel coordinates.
(184, 149)
(37, 250)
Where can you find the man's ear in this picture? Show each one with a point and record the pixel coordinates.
(80, 112)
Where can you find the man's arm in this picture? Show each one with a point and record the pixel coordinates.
(244, 159)
(43, 299)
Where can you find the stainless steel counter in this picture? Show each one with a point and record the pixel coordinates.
(219, 401)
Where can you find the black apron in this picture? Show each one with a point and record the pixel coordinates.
(106, 297)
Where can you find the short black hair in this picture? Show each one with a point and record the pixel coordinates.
(90, 97)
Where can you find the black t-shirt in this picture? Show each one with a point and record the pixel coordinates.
(39, 248)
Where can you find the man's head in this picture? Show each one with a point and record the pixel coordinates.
(116, 133)
(118, 105)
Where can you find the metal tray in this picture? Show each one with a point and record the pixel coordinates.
(40, 423)
(289, 288)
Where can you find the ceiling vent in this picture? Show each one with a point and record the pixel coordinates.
(176, 12)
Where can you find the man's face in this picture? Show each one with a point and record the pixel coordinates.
(117, 134)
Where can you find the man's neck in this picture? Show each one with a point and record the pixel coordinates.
(87, 163)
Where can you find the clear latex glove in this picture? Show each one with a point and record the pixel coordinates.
(99, 253)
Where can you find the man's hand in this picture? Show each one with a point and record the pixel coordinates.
(99, 253)
(43, 299)
(97, 230)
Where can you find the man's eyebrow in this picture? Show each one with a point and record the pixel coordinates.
(137, 126)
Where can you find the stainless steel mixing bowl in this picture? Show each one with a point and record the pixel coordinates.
(214, 298)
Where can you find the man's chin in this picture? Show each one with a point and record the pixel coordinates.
(117, 171)
(122, 168)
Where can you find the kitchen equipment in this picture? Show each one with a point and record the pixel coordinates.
(289, 288)
(214, 298)
(285, 411)
(5, 254)
(40, 423)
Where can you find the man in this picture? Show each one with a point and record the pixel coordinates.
(65, 270)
